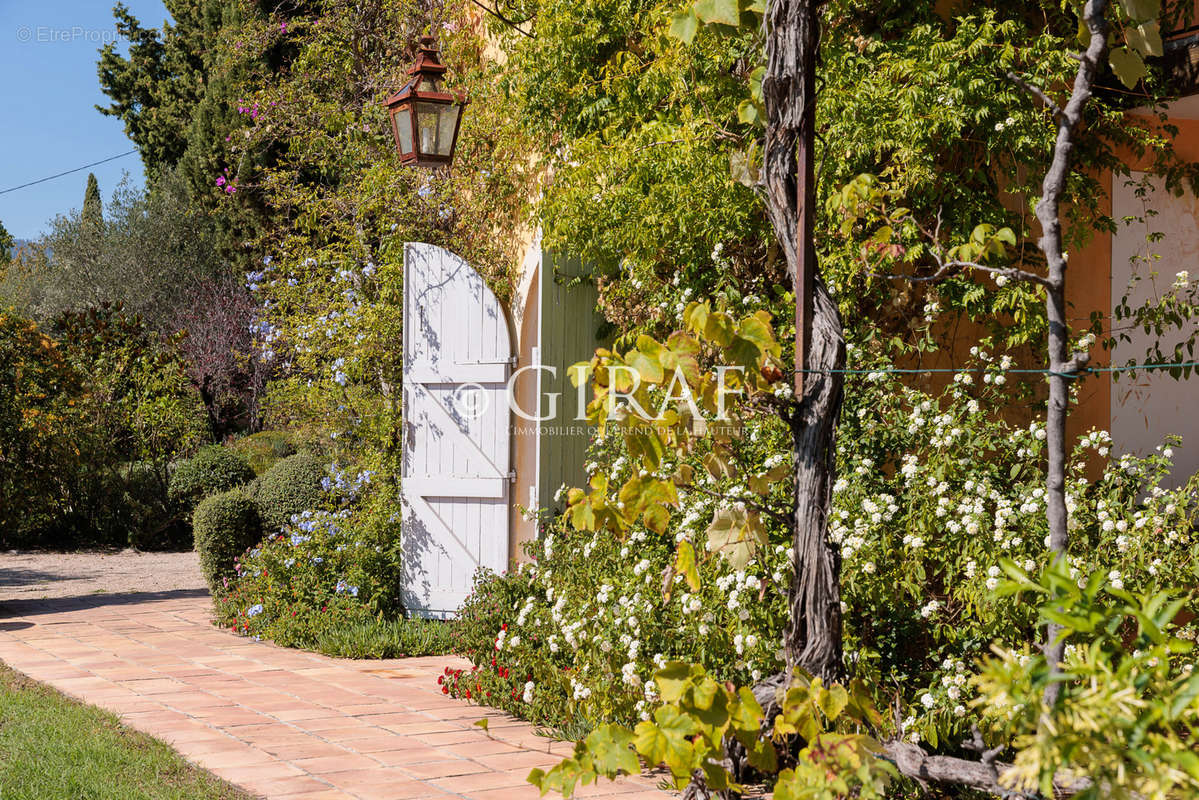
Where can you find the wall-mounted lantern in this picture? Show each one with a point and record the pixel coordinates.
(425, 117)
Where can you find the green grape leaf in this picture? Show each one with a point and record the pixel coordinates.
(684, 25)
(685, 565)
(718, 12)
(1146, 38)
(610, 750)
(665, 740)
(1128, 66)
(1142, 10)
(673, 680)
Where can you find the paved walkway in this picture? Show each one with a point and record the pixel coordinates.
(280, 723)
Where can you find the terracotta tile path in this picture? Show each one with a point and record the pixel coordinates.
(280, 723)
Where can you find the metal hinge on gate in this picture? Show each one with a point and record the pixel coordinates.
(511, 476)
(511, 361)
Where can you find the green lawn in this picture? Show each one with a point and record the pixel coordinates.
(53, 748)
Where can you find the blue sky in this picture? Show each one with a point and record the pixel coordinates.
(48, 90)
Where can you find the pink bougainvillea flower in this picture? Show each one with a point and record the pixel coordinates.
(220, 181)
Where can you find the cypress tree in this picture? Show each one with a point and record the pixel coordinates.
(93, 208)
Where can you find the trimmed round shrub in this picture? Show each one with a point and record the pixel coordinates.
(212, 470)
(225, 526)
(264, 449)
(291, 486)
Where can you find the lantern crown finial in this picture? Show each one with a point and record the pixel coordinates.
(428, 59)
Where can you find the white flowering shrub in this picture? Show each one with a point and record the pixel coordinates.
(934, 491)
(589, 622)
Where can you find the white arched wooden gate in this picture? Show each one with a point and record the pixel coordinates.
(455, 476)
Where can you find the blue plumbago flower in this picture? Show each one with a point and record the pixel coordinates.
(349, 486)
(339, 376)
(369, 269)
(297, 539)
(289, 562)
(345, 588)
(254, 610)
(254, 279)
(318, 560)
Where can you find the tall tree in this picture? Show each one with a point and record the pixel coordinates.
(155, 87)
(93, 207)
(87, 262)
(179, 92)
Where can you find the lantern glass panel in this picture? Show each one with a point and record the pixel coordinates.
(429, 120)
(429, 83)
(449, 121)
(401, 119)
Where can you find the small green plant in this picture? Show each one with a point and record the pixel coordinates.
(390, 638)
(1127, 716)
(290, 487)
(225, 526)
(689, 733)
(213, 470)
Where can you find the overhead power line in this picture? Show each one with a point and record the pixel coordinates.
(68, 172)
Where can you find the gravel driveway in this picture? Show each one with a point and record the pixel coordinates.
(26, 575)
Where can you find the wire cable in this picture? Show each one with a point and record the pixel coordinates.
(1083, 371)
(68, 172)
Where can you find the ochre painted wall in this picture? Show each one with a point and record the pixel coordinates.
(525, 310)
(1090, 287)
